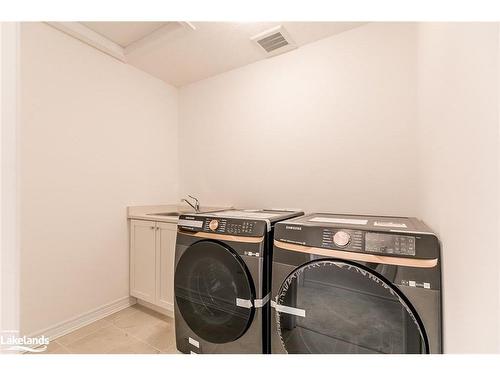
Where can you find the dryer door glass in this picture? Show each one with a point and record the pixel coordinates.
(209, 277)
(330, 306)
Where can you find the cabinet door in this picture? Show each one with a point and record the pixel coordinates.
(165, 255)
(142, 259)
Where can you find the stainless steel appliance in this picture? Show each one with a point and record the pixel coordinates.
(222, 284)
(355, 284)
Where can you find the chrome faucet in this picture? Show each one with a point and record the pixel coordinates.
(195, 206)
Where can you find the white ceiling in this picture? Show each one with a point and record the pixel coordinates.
(181, 53)
(124, 33)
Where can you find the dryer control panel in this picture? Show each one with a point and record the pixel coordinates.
(221, 225)
(342, 238)
(371, 242)
(350, 239)
(389, 244)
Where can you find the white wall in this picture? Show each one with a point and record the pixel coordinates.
(458, 122)
(329, 126)
(337, 125)
(9, 203)
(97, 135)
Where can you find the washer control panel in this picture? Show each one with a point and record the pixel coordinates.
(213, 224)
(229, 226)
(220, 225)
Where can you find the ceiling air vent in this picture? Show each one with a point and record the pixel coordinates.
(274, 41)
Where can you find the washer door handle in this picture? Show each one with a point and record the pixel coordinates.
(246, 303)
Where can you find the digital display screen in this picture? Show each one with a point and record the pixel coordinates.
(389, 244)
(190, 223)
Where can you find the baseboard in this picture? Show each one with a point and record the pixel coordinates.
(70, 325)
(161, 310)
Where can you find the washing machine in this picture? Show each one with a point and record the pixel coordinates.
(222, 280)
(355, 284)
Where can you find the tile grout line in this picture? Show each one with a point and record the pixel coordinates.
(138, 339)
(92, 332)
(112, 323)
(144, 342)
(81, 338)
(64, 347)
(84, 336)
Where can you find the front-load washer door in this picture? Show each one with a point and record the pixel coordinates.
(333, 306)
(209, 280)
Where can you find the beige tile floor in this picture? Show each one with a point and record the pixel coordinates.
(134, 330)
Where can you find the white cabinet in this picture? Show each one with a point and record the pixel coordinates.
(165, 253)
(143, 259)
(152, 251)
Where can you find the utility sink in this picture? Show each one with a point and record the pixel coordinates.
(173, 213)
(176, 213)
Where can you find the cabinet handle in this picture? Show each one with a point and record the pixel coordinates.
(152, 227)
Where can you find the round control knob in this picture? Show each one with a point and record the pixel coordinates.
(213, 225)
(341, 238)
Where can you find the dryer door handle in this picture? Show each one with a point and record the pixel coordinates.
(288, 310)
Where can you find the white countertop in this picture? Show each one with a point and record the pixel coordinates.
(147, 212)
